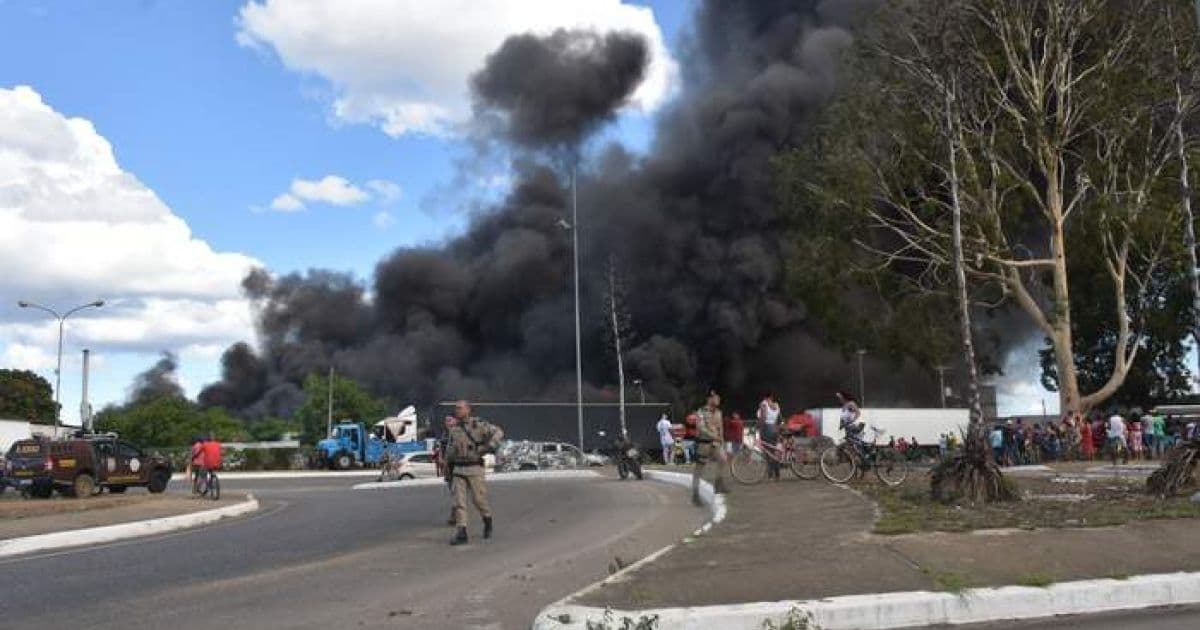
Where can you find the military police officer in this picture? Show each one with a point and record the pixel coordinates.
(710, 447)
(469, 440)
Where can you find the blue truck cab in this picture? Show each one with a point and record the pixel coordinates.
(352, 445)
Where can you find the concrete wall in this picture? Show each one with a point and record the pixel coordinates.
(11, 431)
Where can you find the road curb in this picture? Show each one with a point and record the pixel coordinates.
(288, 474)
(122, 531)
(914, 609)
(530, 475)
(552, 617)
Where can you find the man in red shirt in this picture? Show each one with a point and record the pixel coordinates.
(735, 429)
(212, 454)
(690, 429)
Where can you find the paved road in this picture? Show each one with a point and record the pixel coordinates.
(1152, 619)
(318, 555)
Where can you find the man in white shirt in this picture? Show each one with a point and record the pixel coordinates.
(665, 439)
(1116, 435)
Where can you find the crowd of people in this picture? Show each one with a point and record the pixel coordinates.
(1075, 437)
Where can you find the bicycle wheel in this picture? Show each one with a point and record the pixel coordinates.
(749, 466)
(805, 464)
(838, 464)
(891, 467)
(200, 486)
(214, 487)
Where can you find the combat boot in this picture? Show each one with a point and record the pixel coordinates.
(460, 538)
(487, 527)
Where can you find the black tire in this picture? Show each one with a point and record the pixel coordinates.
(84, 485)
(214, 487)
(42, 491)
(637, 471)
(528, 467)
(158, 481)
(342, 461)
(749, 466)
(838, 464)
(622, 471)
(805, 464)
(891, 467)
(406, 477)
(117, 489)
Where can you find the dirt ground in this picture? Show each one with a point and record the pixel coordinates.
(1051, 501)
(26, 517)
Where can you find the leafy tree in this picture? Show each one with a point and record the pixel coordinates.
(168, 421)
(270, 429)
(350, 402)
(26, 396)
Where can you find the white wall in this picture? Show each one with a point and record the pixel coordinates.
(924, 424)
(11, 431)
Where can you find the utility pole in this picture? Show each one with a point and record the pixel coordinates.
(578, 350)
(941, 370)
(641, 390)
(862, 385)
(329, 410)
(85, 408)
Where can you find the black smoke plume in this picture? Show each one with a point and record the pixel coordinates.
(159, 381)
(693, 225)
(554, 91)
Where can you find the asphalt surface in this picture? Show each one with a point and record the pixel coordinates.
(319, 555)
(1187, 618)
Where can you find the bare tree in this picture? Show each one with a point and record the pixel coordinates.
(618, 329)
(1040, 150)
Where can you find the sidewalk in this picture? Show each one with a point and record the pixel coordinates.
(799, 540)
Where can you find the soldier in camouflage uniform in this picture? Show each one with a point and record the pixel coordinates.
(710, 446)
(469, 440)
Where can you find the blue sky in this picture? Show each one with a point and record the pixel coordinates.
(217, 130)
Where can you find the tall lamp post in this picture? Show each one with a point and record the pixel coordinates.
(641, 390)
(573, 226)
(62, 319)
(941, 370)
(862, 386)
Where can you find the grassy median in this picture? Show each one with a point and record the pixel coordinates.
(1044, 503)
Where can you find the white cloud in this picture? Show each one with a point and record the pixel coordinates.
(383, 220)
(332, 189)
(287, 202)
(388, 192)
(75, 227)
(403, 65)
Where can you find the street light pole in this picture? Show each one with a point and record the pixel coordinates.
(862, 385)
(62, 320)
(578, 350)
(941, 370)
(642, 390)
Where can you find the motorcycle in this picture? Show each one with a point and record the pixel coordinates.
(629, 458)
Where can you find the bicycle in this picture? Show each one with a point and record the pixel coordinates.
(854, 456)
(749, 466)
(206, 483)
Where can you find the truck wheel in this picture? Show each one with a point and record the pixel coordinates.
(117, 489)
(158, 481)
(83, 486)
(343, 461)
(405, 477)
